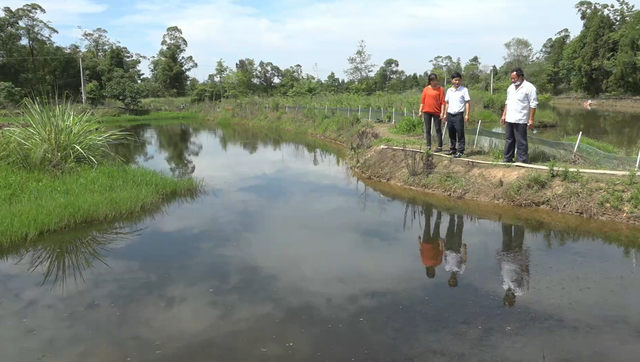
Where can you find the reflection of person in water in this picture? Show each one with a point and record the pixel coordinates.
(431, 245)
(514, 263)
(455, 256)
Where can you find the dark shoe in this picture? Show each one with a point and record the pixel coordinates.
(439, 149)
(459, 155)
(452, 153)
(507, 161)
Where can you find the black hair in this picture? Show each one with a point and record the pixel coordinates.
(433, 76)
(456, 75)
(519, 72)
(431, 272)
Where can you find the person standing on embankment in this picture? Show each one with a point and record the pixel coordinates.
(519, 111)
(432, 110)
(457, 114)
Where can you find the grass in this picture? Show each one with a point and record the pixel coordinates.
(602, 146)
(34, 202)
(156, 116)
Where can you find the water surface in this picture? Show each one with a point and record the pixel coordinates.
(291, 258)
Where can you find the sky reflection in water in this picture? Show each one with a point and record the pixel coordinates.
(290, 258)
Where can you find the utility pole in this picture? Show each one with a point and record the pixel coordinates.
(315, 67)
(84, 93)
(491, 80)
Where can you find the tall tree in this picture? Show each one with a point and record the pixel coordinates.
(473, 72)
(519, 53)
(171, 67)
(360, 66)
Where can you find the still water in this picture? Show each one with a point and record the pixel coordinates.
(289, 257)
(621, 129)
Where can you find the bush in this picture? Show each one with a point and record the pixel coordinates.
(495, 102)
(409, 126)
(56, 138)
(544, 99)
(9, 95)
(484, 115)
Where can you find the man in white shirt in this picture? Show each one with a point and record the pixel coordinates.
(456, 114)
(514, 263)
(519, 111)
(455, 255)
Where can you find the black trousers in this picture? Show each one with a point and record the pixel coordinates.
(455, 126)
(516, 133)
(437, 122)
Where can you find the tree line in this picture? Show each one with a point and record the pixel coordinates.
(603, 58)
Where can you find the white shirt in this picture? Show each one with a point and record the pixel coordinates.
(520, 101)
(453, 262)
(457, 98)
(514, 270)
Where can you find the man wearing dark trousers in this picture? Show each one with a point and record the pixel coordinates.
(519, 111)
(456, 114)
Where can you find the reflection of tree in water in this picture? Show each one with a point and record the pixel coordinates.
(135, 146)
(250, 140)
(66, 255)
(179, 142)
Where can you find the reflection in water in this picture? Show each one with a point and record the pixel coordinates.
(297, 261)
(514, 263)
(180, 144)
(455, 255)
(431, 244)
(64, 256)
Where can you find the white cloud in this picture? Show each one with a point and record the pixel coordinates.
(59, 12)
(412, 31)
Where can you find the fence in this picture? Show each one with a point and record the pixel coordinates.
(541, 150)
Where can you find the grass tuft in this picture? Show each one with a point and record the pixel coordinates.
(56, 138)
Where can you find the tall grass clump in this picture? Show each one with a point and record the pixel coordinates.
(55, 137)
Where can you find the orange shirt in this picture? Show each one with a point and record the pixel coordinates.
(432, 100)
(431, 254)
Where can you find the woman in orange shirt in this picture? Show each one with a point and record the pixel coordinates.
(432, 108)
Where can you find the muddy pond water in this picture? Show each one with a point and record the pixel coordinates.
(289, 257)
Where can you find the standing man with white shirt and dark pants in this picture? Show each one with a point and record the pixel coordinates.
(519, 111)
(456, 114)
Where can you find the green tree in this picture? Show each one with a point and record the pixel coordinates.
(268, 76)
(171, 67)
(360, 66)
(519, 54)
(473, 72)
(332, 84)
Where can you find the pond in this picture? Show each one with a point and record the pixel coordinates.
(620, 129)
(289, 257)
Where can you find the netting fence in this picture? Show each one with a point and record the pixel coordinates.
(478, 139)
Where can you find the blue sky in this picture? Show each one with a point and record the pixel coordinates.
(325, 32)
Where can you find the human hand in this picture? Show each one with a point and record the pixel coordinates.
(444, 119)
(466, 119)
(530, 125)
(503, 120)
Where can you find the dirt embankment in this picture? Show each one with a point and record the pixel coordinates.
(601, 197)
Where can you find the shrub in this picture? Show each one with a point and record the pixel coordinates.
(409, 125)
(56, 138)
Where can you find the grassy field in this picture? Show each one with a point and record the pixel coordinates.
(34, 203)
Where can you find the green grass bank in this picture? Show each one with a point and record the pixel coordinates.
(33, 203)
